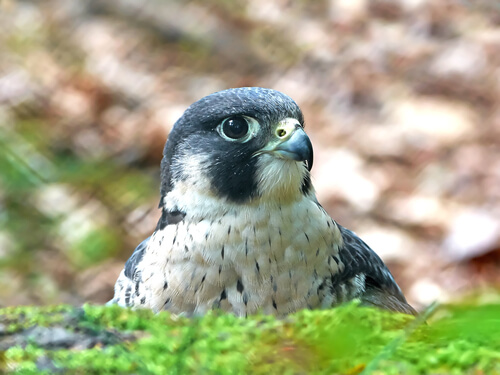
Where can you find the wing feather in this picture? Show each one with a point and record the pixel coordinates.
(380, 287)
(127, 283)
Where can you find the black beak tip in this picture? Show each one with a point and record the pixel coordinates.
(309, 163)
(302, 146)
(298, 148)
(309, 155)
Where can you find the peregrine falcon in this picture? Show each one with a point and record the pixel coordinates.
(241, 229)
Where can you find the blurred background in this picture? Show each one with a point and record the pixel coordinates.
(401, 100)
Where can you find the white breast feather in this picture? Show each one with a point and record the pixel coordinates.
(277, 251)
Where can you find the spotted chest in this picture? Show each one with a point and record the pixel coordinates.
(273, 259)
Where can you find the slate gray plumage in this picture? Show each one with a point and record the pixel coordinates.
(241, 229)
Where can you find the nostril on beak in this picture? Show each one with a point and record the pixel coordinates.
(281, 133)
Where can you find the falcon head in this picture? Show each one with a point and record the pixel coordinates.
(242, 145)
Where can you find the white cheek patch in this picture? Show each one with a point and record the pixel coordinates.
(194, 168)
(279, 179)
(197, 204)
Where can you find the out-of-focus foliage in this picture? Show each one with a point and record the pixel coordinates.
(401, 99)
(61, 207)
(346, 340)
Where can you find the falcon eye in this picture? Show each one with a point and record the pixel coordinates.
(235, 127)
(238, 128)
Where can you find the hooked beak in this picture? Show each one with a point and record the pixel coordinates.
(291, 143)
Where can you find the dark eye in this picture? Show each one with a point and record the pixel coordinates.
(235, 127)
(238, 129)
